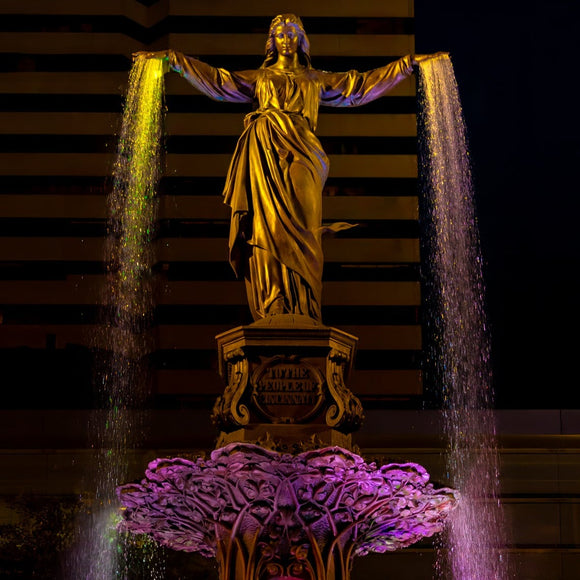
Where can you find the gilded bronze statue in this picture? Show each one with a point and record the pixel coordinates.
(278, 170)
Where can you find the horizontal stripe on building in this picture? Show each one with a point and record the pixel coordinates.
(227, 314)
(73, 62)
(98, 23)
(185, 103)
(203, 271)
(178, 186)
(224, 8)
(198, 144)
(241, 42)
(204, 250)
(192, 227)
(196, 207)
(394, 337)
(75, 123)
(70, 384)
(115, 83)
(83, 290)
(194, 165)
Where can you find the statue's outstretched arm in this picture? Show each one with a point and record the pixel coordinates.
(217, 83)
(353, 88)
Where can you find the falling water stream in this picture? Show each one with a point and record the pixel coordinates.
(125, 336)
(474, 549)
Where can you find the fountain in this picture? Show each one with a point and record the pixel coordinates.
(284, 494)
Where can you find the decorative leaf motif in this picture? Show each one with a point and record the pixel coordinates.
(285, 504)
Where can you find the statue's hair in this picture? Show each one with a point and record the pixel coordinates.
(303, 42)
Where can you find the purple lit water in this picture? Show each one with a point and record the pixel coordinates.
(125, 337)
(476, 538)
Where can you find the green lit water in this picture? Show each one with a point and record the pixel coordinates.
(124, 341)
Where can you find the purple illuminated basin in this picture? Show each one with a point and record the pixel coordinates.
(291, 513)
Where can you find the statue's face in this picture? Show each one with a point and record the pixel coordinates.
(286, 39)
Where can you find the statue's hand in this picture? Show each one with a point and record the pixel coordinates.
(419, 58)
(160, 54)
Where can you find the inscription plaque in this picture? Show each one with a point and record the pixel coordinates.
(287, 390)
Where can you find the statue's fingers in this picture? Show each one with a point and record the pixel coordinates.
(143, 54)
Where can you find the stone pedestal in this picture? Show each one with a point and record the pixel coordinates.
(286, 390)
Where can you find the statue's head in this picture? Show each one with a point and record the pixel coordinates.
(303, 42)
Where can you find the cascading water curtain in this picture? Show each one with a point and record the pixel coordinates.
(125, 339)
(474, 548)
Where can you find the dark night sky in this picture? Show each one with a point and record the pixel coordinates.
(514, 63)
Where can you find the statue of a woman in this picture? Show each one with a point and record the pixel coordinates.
(275, 180)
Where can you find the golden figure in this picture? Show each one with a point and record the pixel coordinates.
(275, 179)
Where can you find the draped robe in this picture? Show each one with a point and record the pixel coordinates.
(278, 170)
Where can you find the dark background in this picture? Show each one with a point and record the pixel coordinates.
(515, 64)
